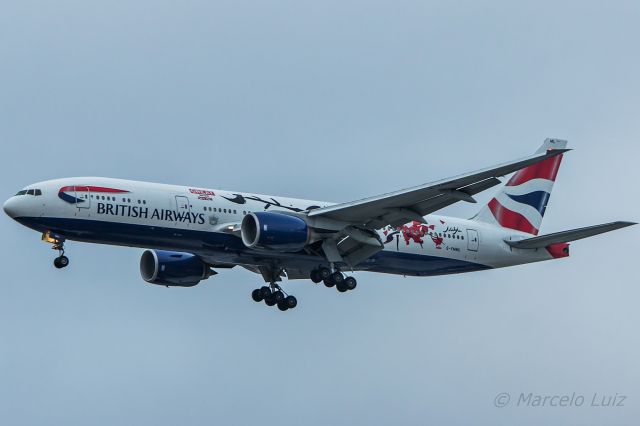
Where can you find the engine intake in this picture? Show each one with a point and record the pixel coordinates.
(275, 231)
(173, 269)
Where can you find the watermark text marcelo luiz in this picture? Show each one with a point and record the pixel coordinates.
(573, 400)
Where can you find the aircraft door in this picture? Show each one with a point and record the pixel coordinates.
(183, 208)
(473, 241)
(83, 197)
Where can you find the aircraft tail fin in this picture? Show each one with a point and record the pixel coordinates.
(522, 202)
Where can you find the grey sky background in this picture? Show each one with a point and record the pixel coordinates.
(327, 100)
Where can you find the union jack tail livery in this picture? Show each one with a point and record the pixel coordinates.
(522, 202)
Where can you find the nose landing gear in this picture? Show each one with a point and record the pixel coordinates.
(61, 261)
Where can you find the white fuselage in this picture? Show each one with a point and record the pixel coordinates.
(202, 221)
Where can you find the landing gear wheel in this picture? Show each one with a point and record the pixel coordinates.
(315, 277)
(282, 306)
(278, 296)
(328, 282)
(290, 302)
(323, 273)
(342, 287)
(350, 283)
(337, 277)
(270, 300)
(265, 291)
(256, 295)
(61, 262)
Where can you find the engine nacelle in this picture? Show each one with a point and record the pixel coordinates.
(275, 231)
(171, 268)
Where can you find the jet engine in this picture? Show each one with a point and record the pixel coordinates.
(173, 269)
(274, 231)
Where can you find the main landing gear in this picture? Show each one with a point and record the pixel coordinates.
(274, 295)
(61, 261)
(333, 279)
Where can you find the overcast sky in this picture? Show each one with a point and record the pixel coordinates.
(328, 100)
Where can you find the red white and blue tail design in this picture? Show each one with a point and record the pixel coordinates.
(522, 202)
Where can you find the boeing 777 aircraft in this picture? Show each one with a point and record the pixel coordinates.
(189, 232)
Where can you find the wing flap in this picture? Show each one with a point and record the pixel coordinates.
(567, 236)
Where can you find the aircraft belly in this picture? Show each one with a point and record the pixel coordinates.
(222, 247)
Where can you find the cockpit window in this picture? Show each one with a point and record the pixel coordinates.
(34, 192)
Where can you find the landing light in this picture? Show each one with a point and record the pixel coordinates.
(47, 238)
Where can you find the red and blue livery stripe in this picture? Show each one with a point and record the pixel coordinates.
(65, 192)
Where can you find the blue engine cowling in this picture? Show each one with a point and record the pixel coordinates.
(275, 231)
(171, 268)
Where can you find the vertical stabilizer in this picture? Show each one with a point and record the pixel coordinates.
(522, 202)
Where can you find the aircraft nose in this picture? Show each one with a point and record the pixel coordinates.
(10, 207)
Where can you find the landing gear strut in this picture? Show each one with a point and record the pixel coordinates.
(61, 261)
(274, 295)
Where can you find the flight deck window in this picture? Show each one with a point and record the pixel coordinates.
(37, 192)
(30, 192)
(24, 191)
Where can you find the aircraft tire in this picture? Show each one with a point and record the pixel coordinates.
(256, 295)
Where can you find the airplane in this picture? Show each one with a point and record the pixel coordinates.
(190, 232)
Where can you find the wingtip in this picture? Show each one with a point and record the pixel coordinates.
(626, 223)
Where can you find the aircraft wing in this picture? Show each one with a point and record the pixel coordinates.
(399, 207)
(567, 236)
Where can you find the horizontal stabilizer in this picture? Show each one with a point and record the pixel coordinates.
(567, 236)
